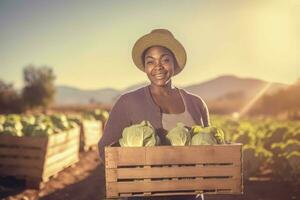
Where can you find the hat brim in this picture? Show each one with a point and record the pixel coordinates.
(157, 39)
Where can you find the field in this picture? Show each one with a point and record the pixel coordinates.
(270, 165)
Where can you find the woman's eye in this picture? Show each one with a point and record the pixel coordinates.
(149, 62)
(166, 60)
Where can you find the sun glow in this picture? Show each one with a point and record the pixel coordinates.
(252, 101)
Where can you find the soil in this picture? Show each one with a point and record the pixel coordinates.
(85, 180)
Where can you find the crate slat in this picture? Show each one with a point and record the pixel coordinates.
(58, 166)
(21, 161)
(60, 148)
(172, 193)
(25, 141)
(119, 156)
(62, 155)
(172, 185)
(172, 172)
(63, 137)
(21, 152)
(193, 155)
(20, 171)
(91, 133)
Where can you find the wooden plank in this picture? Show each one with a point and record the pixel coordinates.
(91, 132)
(62, 155)
(172, 185)
(21, 152)
(172, 172)
(25, 141)
(92, 137)
(60, 165)
(111, 190)
(57, 139)
(111, 175)
(111, 157)
(11, 161)
(20, 171)
(91, 140)
(193, 154)
(60, 148)
(63, 137)
(127, 156)
(170, 193)
(161, 155)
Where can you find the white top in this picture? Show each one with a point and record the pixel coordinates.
(170, 121)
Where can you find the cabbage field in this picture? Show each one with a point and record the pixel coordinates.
(271, 154)
(44, 125)
(271, 147)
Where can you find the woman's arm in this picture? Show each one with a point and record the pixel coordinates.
(117, 121)
(202, 107)
(204, 113)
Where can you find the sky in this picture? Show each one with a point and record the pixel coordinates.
(88, 43)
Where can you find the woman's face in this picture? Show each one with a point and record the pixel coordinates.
(159, 65)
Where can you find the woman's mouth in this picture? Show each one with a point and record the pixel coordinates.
(160, 76)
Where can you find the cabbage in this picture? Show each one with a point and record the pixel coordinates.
(179, 136)
(76, 118)
(285, 147)
(2, 119)
(37, 130)
(12, 126)
(218, 134)
(60, 121)
(202, 136)
(250, 163)
(10, 130)
(97, 114)
(293, 159)
(254, 158)
(13, 117)
(139, 135)
(207, 135)
(25, 120)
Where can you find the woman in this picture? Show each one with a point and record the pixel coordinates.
(161, 57)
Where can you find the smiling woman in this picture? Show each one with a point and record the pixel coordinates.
(161, 57)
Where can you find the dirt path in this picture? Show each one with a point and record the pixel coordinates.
(85, 181)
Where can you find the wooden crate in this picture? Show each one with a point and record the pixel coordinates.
(91, 132)
(170, 170)
(36, 159)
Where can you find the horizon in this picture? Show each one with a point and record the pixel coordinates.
(183, 86)
(88, 44)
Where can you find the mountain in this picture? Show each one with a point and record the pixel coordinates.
(229, 84)
(209, 90)
(136, 86)
(67, 95)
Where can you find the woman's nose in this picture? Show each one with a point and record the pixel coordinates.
(159, 65)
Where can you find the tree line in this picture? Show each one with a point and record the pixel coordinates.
(37, 93)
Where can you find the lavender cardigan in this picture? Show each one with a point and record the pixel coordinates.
(138, 105)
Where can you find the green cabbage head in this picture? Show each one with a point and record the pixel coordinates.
(207, 135)
(139, 135)
(179, 136)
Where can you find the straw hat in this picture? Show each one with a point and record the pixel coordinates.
(159, 37)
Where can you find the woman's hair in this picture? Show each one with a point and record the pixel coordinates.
(145, 51)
